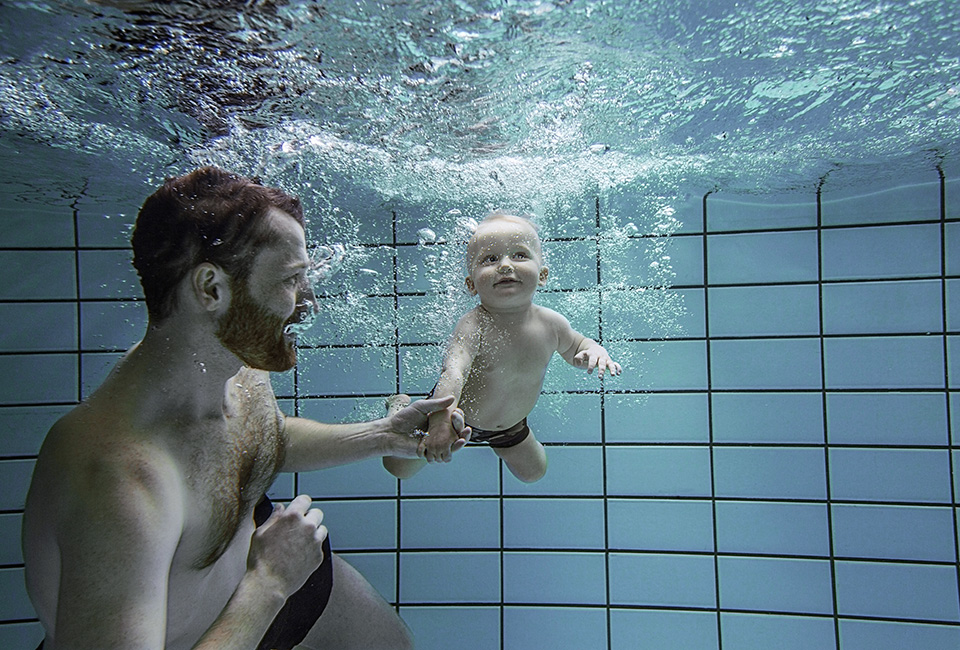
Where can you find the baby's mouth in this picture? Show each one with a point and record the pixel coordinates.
(506, 281)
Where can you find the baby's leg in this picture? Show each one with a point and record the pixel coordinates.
(527, 460)
(401, 467)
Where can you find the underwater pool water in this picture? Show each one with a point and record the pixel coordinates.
(754, 205)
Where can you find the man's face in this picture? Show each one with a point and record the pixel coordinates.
(277, 295)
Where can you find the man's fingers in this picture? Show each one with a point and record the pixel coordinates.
(432, 404)
(314, 516)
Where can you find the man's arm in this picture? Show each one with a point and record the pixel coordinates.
(314, 445)
(117, 537)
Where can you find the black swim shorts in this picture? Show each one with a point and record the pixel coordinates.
(303, 608)
(502, 439)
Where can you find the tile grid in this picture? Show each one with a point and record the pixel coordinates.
(710, 431)
(826, 422)
(824, 390)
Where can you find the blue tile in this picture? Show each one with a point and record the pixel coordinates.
(570, 471)
(952, 239)
(887, 418)
(21, 635)
(882, 307)
(450, 577)
(581, 308)
(954, 417)
(779, 364)
(658, 471)
(884, 362)
(656, 261)
(549, 628)
(904, 475)
(885, 635)
(108, 275)
(953, 360)
(362, 524)
(660, 365)
(345, 371)
(576, 217)
(10, 552)
(32, 224)
(911, 591)
(38, 327)
(662, 580)
(776, 585)
(664, 417)
(748, 631)
(112, 325)
(566, 418)
(953, 304)
(282, 488)
(106, 214)
(94, 368)
(662, 630)
(430, 318)
(554, 577)
(366, 478)
(572, 264)
(474, 471)
(38, 378)
(419, 368)
(915, 202)
(766, 213)
(894, 533)
(768, 417)
(880, 252)
(764, 311)
(770, 472)
(38, 275)
(545, 523)
(561, 376)
(772, 528)
(434, 627)
(651, 209)
(952, 190)
(14, 603)
(380, 570)
(762, 257)
(645, 313)
(660, 525)
(450, 523)
(23, 428)
(357, 319)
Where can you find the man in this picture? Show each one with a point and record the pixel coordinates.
(146, 524)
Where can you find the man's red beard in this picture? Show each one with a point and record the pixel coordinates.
(255, 334)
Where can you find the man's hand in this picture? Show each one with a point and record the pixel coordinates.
(288, 547)
(414, 420)
(596, 356)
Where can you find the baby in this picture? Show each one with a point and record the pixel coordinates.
(497, 357)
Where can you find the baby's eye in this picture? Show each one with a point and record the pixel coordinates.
(521, 255)
(490, 259)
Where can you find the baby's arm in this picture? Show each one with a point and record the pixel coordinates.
(582, 352)
(461, 349)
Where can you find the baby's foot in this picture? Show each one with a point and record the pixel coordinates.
(396, 403)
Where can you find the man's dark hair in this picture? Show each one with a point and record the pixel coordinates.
(208, 215)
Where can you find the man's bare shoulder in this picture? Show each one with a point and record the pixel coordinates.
(99, 455)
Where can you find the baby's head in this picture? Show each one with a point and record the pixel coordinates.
(505, 251)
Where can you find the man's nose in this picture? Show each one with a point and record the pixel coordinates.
(306, 298)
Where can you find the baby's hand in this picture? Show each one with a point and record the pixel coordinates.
(596, 356)
(440, 442)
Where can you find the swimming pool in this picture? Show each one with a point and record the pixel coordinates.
(776, 465)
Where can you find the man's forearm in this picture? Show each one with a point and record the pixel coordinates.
(245, 619)
(315, 445)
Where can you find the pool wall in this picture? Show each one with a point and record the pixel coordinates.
(781, 474)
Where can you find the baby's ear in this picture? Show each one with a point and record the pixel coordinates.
(544, 272)
(469, 282)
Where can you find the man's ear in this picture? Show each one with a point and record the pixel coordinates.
(210, 286)
(469, 282)
(544, 272)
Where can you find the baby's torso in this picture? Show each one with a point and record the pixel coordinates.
(507, 373)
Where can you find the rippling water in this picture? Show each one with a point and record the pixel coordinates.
(506, 102)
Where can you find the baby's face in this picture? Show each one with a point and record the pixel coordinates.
(506, 265)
